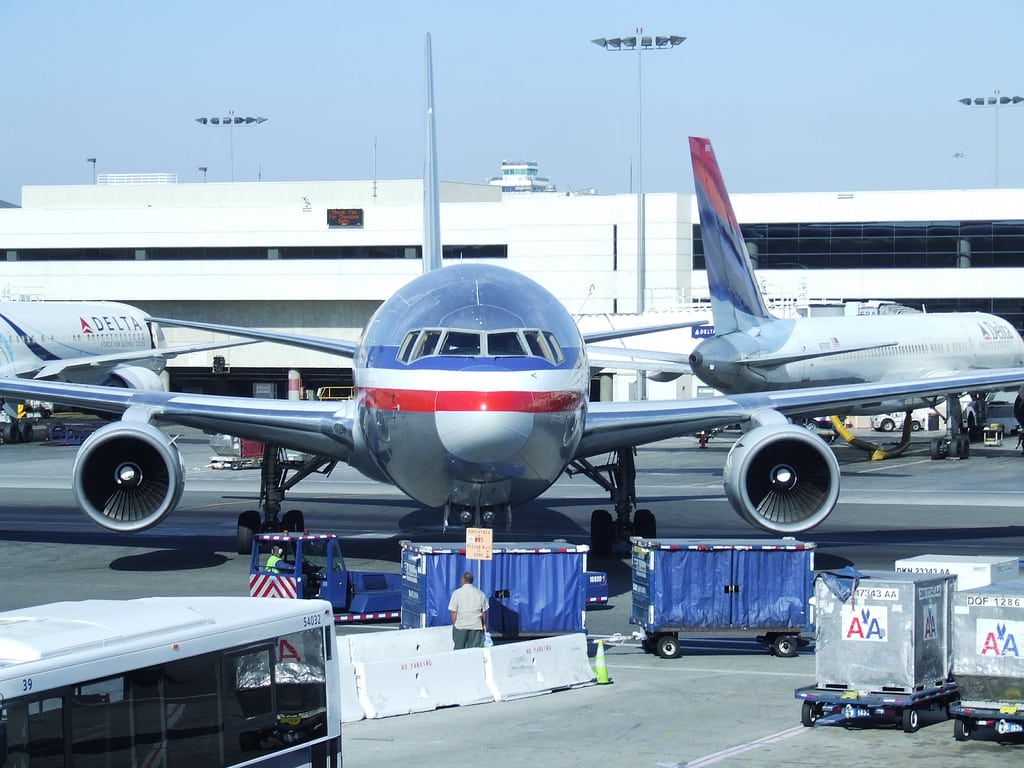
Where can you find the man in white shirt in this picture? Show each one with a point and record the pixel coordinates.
(469, 614)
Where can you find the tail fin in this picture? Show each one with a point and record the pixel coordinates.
(431, 202)
(736, 301)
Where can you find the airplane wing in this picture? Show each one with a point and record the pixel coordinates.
(649, 361)
(614, 425)
(54, 368)
(296, 424)
(340, 347)
(593, 337)
(326, 427)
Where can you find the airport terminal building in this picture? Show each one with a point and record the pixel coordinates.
(319, 257)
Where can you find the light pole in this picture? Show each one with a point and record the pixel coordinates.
(994, 101)
(204, 169)
(93, 161)
(640, 43)
(231, 121)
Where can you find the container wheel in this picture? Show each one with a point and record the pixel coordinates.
(809, 714)
(911, 720)
(667, 646)
(785, 646)
(962, 728)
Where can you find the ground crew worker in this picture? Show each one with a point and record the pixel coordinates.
(468, 607)
(276, 559)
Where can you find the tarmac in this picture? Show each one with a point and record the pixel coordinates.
(725, 701)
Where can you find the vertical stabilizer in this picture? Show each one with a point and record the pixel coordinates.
(431, 204)
(736, 301)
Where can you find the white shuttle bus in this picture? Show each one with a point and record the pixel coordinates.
(163, 682)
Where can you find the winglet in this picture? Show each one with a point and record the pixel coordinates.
(736, 300)
(431, 203)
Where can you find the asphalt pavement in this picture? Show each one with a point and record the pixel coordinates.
(726, 701)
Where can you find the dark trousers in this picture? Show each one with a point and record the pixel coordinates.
(467, 638)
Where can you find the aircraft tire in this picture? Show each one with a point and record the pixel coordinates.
(937, 449)
(964, 447)
(644, 524)
(248, 525)
(602, 532)
(293, 520)
(25, 431)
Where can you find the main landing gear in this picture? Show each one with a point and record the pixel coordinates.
(618, 477)
(955, 444)
(278, 474)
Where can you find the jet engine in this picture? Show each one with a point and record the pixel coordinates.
(782, 478)
(128, 476)
(135, 377)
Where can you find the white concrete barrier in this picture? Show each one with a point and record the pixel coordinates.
(387, 644)
(351, 707)
(400, 686)
(529, 668)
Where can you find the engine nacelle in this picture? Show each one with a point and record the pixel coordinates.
(135, 377)
(782, 478)
(128, 476)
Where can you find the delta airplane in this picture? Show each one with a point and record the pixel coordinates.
(97, 342)
(752, 350)
(471, 396)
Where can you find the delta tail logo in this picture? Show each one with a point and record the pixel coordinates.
(86, 328)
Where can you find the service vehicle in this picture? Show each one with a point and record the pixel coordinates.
(312, 567)
(163, 681)
(919, 419)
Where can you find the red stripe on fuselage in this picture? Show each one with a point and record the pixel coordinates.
(425, 401)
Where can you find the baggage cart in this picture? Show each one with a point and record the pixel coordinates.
(533, 588)
(988, 662)
(883, 651)
(700, 585)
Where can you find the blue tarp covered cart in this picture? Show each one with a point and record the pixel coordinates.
(533, 588)
(700, 585)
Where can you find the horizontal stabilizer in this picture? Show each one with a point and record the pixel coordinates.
(592, 337)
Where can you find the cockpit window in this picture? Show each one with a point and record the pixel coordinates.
(506, 343)
(460, 343)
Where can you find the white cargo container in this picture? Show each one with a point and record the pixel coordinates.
(971, 571)
(892, 634)
(988, 659)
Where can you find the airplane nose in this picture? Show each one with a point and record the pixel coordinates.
(481, 436)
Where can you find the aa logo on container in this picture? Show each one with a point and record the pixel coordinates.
(999, 638)
(868, 623)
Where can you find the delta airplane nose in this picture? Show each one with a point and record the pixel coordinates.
(483, 436)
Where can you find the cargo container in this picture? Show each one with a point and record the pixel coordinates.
(686, 585)
(883, 648)
(988, 660)
(971, 571)
(534, 588)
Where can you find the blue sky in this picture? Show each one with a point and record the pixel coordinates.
(797, 95)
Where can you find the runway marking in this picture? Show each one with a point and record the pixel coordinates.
(741, 748)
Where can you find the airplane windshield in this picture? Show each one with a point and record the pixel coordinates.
(525, 342)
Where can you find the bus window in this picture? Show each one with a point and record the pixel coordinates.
(35, 733)
(100, 724)
(248, 703)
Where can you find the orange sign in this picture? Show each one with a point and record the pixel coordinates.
(479, 543)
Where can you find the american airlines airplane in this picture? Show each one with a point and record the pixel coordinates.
(471, 396)
(752, 350)
(88, 342)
